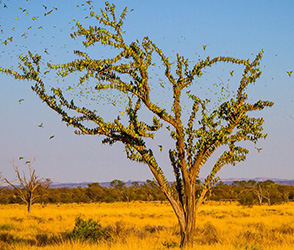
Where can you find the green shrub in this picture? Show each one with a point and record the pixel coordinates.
(6, 227)
(7, 238)
(45, 239)
(88, 230)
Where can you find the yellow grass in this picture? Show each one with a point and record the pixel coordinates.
(148, 225)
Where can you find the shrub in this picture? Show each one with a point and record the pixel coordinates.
(284, 229)
(170, 244)
(153, 229)
(88, 230)
(210, 234)
(6, 227)
(45, 239)
(7, 238)
(42, 239)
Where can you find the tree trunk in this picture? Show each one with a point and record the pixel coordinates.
(187, 234)
(29, 206)
(29, 201)
(188, 229)
(259, 199)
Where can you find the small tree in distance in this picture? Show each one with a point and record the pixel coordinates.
(27, 185)
(195, 140)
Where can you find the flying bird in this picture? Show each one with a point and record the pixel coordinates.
(51, 137)
(258, 149)
(204, 46)
(27, 162)
(20, 158)
(20, 101)
(290, 73)
(48, 13)
(41, 125)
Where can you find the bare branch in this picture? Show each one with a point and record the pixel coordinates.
(27, 186)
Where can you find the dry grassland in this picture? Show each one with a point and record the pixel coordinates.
(147, 225)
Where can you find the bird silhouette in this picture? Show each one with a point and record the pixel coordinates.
(48, 13)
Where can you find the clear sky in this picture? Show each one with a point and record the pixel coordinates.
(227, 28)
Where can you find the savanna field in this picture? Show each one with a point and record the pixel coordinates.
(144, 225)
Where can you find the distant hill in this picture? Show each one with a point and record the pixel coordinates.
(129, 183)
(258, 179)
(85, 184)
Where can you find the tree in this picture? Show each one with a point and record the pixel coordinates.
(26, 189)
(1, 178)
(263, 190)
(196, 137)
(285, 192)
(117, 184)
(269, 188)
(255, 188)
(120, 189)
(95, 192)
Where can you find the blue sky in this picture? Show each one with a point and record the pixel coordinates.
(227, 28)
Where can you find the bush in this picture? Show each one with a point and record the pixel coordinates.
(210, 234)
(7, 238)
(6, 227)
(44, 240)
(88, 230)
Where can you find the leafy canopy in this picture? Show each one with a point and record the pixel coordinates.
(127, 73)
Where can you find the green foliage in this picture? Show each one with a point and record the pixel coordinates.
(149, 191)
(43, 239)
(88, 230)
(117, 184)
(7, 237)
(6, 227)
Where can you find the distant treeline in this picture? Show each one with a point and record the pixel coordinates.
(245, 192)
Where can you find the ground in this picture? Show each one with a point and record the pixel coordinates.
(148, 225)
